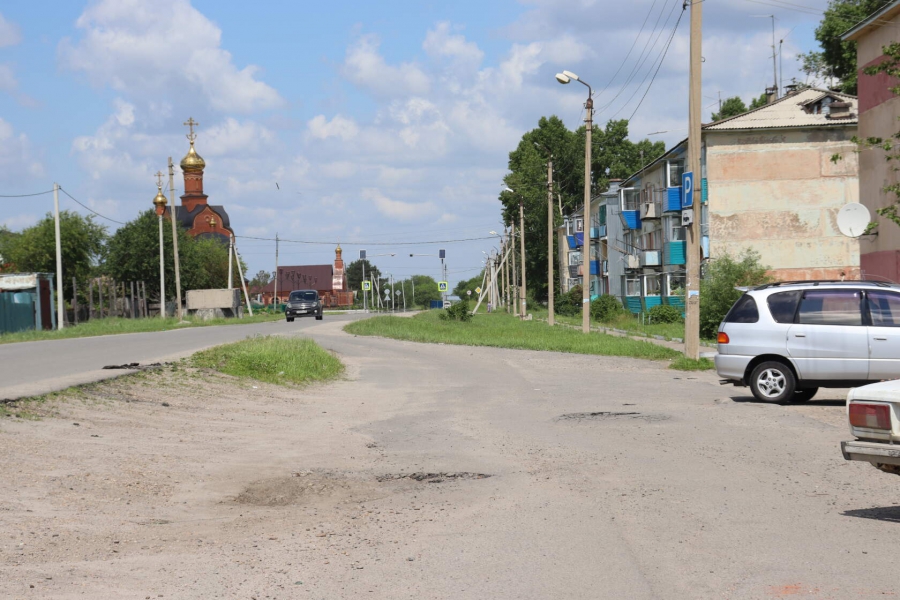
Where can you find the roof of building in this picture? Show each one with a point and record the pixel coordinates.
(873, 21)
(789, 111)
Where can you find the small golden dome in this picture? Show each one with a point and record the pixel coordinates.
(192, 162)
(160, 200)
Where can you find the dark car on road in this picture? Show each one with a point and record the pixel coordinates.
(303, 303)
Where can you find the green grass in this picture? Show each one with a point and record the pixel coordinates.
(272, 359)
(118, 325)
(505, 331)
(684, 363)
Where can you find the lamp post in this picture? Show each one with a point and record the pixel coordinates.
(160, 203)
(564, 78)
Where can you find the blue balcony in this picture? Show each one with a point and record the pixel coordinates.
(704, 193)
(675, 253)
(704, 246)
(651, 301)
(570, 239)
(633, 304)
(632, 219)
(602, 232)
(595, 267)
(676, 301)
(595, 233)
(673, 200)
(579, 239)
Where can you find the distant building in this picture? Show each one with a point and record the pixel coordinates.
(329, 280)
(196, 215)
(879, 111)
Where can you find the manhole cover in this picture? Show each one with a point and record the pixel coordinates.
(605, 415)
(431, 477)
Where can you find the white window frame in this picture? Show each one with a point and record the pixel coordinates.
(669, 164)
(670, 291)
(652, 276)
(631, 283)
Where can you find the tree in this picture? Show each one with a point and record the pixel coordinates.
(354, 272)
(838, 58)
(260, 280)
(34, 249)
(613, 155)
(731, 107)
(759, 101)
(133, 255)
(469, 284)
(426, 290)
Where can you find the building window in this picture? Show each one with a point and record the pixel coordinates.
(631, 199)
(632, 286)
(579, 225)
(651, 285)
(675, 284)
(629, 239)
(676, 169)
(574, 258)
(652, 240)
(674, 230)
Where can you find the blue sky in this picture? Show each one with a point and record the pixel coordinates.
(380, 121)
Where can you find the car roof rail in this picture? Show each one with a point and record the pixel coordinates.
(815, 282)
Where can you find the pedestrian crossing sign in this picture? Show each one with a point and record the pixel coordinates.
(367, 285)
(443, 286)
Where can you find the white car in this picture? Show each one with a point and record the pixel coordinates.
(874, 414)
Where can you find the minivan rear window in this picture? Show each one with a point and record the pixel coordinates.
(743, 311)
(783, 305)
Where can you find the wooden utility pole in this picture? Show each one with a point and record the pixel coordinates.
(172, 214)
(522, 248)
(515, 272)
(75, 301)
(692, 301)
(550, 240)
(275, 297)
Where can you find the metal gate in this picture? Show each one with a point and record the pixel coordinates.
(16, 311)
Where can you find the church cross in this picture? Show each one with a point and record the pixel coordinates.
(159, 177)
(192, 123)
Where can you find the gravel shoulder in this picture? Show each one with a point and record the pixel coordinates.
(434, 471)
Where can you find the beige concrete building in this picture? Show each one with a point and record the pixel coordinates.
(879, 111)
(774, 186)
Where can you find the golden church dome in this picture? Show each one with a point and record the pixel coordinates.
(160, 200)
(192, 162)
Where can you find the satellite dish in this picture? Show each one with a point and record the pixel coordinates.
(853, 219)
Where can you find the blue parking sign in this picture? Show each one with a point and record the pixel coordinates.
(687, 189)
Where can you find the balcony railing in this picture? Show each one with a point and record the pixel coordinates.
(650, 258)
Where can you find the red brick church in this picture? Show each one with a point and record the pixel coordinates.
(329, 280)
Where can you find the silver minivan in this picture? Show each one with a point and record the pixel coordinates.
(786, 340)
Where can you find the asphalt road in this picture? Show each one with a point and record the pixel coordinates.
(35, 368)
(607, 478)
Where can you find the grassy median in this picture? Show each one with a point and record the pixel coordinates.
(506, 331)
(272, 359)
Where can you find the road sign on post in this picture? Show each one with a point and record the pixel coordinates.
(443, 286)
(442, 254)
(687, 189)
(362, 255)
(366, 286)
(468, 292)
(478, 290)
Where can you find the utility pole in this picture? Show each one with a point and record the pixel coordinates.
(162, 272)
(275, 297)
(230, 265)
(774, 64)
(175, 242)
(508, 246)
(515, 272)
(692, 301)
(550, 240)
(586, 233)
(60, 306)
(522, 247)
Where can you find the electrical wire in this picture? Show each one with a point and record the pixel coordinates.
(665, 52)
(89, 208)
(633, 44)
(26, 195)
(352, 243)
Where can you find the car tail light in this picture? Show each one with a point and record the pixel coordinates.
(870, 416)
(722, 338)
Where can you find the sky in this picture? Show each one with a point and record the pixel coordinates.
(382, 122)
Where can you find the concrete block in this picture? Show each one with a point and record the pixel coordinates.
(205, 299)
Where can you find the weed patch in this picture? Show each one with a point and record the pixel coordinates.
(684, 363)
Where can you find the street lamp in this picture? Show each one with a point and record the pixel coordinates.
(566, 77)
(160, 203)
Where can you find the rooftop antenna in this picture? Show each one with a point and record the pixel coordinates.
(774, 55)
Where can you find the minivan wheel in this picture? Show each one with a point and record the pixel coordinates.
(773, 381)
(804, 395)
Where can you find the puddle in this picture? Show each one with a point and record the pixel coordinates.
(603, 415)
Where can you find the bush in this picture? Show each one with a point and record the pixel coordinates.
(717, 288)
(458, 311)
(605, 308)
(664, 313)
(569, 304)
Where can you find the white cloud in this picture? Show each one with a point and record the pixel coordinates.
(233, 137)
(8, 81)
(365, 67)
(140, 48)
(9, 33)
(321, 128)
(396, 209)
(440, 43)
(17, 163)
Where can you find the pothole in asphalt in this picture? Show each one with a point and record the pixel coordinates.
(431, 477)
(605, 415)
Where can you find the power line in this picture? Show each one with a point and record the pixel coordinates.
(25, 195)
(356, 243)
(633, 44)
(666, 51)
(89, 208)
